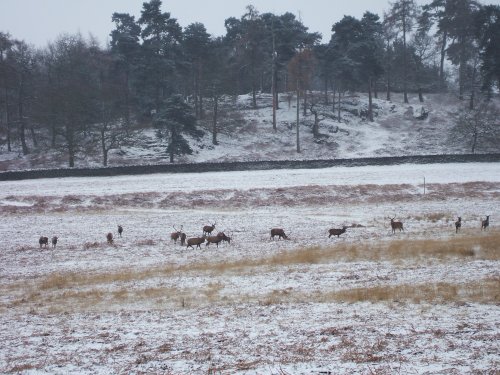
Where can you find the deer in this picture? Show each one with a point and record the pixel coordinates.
(396, 225)
(485, 223)
(213, 239)
(207, 229)
(120, 230)
(109, 238)
(458, 224)
(278, 232)
(54, 241)
(224, 237)
(183, 239)
(336, 232)
(195, 241)
(176, 235)
(43, 241)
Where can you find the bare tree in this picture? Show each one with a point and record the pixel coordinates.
(478, 126)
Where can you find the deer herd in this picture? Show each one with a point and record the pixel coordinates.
(208, 238)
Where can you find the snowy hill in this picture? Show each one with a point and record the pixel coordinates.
(246, 134)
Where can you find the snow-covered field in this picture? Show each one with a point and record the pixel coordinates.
(370, 302)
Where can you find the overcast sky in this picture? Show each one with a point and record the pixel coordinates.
(40, 21)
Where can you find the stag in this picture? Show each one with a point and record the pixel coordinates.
(336, 232)
(485, 223)
(120, 230)
(43, 241)
(195, 241)
(278, 232)
(207, 229)
(54, 241)
(396, 225)
(176, 235)
(458, 224)
(109, 238)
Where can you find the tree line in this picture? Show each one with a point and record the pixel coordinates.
(74, 92)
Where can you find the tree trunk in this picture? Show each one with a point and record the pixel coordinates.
(214, 123)
(316, 125)
(298, 115)
(304, 110)
(33, 136)
(7, 117)
(370, 109)
(326, 90)
(104, 149)
(22, 124)
(338, 108)
(443, 55)
(405, 93)
(474, 142)
(71, 146)
(388, 74)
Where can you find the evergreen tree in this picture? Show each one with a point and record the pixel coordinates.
(174, 119)
(402, 16)
(161, 37)
(125, 46)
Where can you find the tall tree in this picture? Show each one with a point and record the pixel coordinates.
(174, 119)
(125, 45)
(196, 44)
(402, 16)
(6, 44)
(488, 34)
(161, 35)
(463, 46)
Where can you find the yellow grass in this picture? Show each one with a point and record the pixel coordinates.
(84, 291)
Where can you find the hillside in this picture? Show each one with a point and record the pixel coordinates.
(246, 134)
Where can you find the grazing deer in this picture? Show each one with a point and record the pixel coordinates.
(214, 239)
(120, 230)
(195, 241)
(224, 237)
(43, 241)
(109, 238)
(207, 229)
(485, 223)
(336, 232)
(278, 232)
(176, 235)
(458, 224)
(396, 225)
(54, 241)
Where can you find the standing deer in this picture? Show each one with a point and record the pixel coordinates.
(120, 230)
(207, 229)
(458, 224)
(176, 235)
(485, 223)
(109, 238)
(195, 241)
(396, 225)
(214, 239)
(224, 237)
(183, 239)
(336, 232)
(54, 241)
(278, 232)
(43, 241)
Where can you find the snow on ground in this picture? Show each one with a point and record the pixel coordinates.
(246, 134)
(418, 301)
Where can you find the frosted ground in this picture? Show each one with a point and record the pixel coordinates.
(245, 134)
(422, 301)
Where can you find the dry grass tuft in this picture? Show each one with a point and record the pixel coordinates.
(92, 245)
(484, 291)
